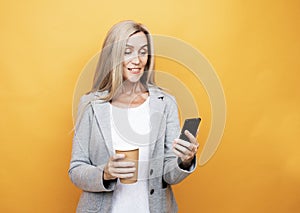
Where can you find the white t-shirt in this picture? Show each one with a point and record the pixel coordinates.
(131, 130)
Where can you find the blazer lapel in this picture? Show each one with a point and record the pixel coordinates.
(157, 107)
(102, 113)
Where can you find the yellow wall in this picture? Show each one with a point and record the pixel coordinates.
(254, 47)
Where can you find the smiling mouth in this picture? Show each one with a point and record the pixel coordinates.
(134, 70)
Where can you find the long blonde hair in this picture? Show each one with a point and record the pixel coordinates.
(109, 71)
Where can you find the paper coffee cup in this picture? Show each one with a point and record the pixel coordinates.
(131, 156)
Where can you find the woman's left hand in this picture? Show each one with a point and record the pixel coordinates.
(186, 150)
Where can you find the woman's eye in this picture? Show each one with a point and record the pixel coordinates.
(143, 52)
(127, 52)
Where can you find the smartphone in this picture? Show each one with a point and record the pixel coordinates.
(192, 125)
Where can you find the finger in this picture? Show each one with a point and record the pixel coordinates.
(182, 142)
(190, 146)
(117, 157)
(122, 170)
(191, 137)
(128, 175)
(122, 164)
(178, 154)
(187, 151)
(182, 149)
(182, 156)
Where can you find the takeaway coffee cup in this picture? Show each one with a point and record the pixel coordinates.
(133, 156)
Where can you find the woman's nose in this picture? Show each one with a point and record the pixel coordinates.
(135, 59)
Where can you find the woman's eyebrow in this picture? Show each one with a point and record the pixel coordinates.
(128, 45)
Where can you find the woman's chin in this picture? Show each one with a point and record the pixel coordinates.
(133, 79)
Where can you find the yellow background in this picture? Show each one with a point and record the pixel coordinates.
(253, 45)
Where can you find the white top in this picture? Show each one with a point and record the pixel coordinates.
(131, 130)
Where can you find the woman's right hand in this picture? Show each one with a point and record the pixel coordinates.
(116, 168)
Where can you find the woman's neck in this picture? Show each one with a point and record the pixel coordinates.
(132, 88)
(130, 95)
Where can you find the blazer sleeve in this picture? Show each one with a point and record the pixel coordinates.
(173, 174)
(82, 173)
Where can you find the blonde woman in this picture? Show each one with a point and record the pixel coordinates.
(126, 109)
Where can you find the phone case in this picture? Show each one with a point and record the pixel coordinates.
(191, 125)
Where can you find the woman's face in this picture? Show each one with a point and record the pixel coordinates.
(135, 57)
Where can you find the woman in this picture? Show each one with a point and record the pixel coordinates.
(125, 107)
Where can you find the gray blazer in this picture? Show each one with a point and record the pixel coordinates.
(92, 147)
